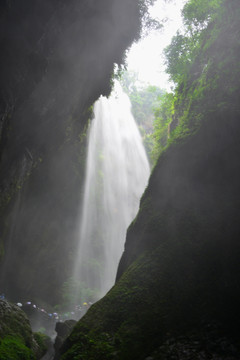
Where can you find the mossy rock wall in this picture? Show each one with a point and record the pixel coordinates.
(17, 341)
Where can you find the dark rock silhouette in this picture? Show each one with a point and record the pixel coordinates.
(57, 58)
(63, 330)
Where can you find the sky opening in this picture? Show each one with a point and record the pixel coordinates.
(146, 57)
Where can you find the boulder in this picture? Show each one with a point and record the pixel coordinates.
(63, 329)
(17, 340)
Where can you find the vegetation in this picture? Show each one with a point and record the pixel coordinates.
(12, 348)
(184, 48)
(43, 342)
(163, 116)
(155, 110)
(91, 347)
(147, 22)
(180, 270)
(195, 59)
(145, 101)
(72, 291)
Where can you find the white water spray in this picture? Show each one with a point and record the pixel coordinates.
(116, 175)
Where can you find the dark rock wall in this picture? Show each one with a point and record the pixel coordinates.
(193, 192)
(56, 59)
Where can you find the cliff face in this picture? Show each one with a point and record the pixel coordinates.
(56, 59)
(177, 290)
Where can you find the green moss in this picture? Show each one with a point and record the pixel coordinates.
(12, 348)
(128, 311)
(91, 347)
(14, 323)
(42, 341)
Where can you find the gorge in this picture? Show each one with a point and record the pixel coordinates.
(177, 291)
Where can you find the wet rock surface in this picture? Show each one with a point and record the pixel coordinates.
(63, 329)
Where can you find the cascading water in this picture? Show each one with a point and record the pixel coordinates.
(117, 172)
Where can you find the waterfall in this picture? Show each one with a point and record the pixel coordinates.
(117, 172)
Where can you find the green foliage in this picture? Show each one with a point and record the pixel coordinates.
(180, 54)
(182, 57)
(73, 292)
(147, 22)
(144, 99)
(12, 348)
(91, 347)
(14, 323)
(197, 14)
(163, 117)
(200, 64)
(42, 341)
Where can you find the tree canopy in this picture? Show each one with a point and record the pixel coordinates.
(145, 101)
